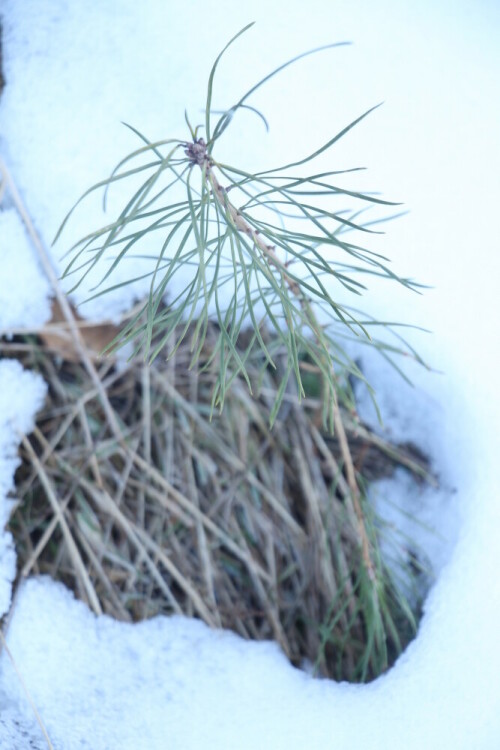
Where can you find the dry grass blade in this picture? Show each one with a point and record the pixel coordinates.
(65, 307)
(73, 551)
(33, 707)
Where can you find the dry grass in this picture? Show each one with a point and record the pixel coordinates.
(224, 520)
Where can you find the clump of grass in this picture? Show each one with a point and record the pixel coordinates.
(222, 519)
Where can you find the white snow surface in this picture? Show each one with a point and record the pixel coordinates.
(73, 72)
(30, 307)
(21, 395)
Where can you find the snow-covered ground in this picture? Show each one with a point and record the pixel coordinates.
(73, 72)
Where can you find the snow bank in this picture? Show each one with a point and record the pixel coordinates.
(72, 74)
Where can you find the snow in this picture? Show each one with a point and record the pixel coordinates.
(31, 308)
(72, 75)
(21, 395)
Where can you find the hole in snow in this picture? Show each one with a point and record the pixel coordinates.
(246, 528)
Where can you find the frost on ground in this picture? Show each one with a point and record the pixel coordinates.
(172, 683)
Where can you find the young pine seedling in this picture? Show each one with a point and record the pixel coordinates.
(262, 249)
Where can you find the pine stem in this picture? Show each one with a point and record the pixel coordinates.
(330, 393)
